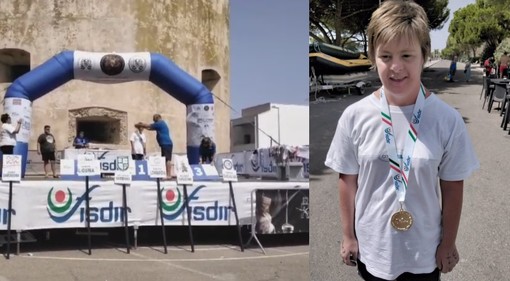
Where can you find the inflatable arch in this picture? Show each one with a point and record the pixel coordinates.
(111, 68)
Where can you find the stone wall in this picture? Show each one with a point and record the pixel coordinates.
(194, 34)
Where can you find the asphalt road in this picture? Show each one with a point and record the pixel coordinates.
(217, 256)
(483, 239)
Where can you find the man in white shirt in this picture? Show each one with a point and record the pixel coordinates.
(8, 134)
(138, 142)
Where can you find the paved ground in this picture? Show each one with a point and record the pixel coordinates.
(483, 239)
(217, 257)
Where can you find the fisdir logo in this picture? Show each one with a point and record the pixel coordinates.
(407, 164)
(397, 181)
(254, 160)
(387, 135)
(416, 117)
(173, 206)
(257, 164)
(61, 207)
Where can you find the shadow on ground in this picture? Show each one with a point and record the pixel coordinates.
(151, 236)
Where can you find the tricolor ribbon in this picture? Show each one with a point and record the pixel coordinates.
(401, 166)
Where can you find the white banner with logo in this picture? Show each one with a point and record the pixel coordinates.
(112, 67)
(107, 158)
(228, 172)
(61, 204)
(260, 164)
(200, 120)
(238, 160)
(11, 168)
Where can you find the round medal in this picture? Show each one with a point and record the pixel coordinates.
(402, 220)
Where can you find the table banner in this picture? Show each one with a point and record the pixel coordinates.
(61, 204)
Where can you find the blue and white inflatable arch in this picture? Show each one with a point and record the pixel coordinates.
(111, 68)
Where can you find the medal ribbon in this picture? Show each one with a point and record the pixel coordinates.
(401, 166)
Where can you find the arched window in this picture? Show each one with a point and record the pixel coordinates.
(13, 64)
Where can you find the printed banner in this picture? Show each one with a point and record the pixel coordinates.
(11, 168)
(107, 158)
(282, 211)
(111, 67)
(61, 204)
(200, 120)
(228, 172)
(260, 164)
(238, 159)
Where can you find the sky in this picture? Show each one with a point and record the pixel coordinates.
(268, 53)
(439, 37)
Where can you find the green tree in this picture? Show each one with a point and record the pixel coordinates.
(465, 30)
(497, 3)
(342, 22)
(485, 23)
(437, 12)
(336, 21)
(504, 46)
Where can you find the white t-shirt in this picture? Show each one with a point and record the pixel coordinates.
(138, 140)
(7, 137)
(443, 151)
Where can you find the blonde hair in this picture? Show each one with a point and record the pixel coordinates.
(398, 19)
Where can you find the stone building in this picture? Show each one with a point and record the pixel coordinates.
(194, 34)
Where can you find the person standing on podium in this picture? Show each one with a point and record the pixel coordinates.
(164, 139)
(8, 136)
(46, 146)
(138, 141)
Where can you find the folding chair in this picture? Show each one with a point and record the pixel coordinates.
(498, 95)
(506, 106)
(488, 89)
(502, 111)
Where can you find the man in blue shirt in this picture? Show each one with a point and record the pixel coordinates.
(81, 141)
(163, 138)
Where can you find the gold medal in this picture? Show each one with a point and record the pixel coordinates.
(402, 220)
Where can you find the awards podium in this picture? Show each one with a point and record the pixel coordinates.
(201, 172)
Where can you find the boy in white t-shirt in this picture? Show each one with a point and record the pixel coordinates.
(8, 134)
(402, 155)
(138, 141)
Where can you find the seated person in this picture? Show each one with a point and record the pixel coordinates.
(81, 141)
(207, 150)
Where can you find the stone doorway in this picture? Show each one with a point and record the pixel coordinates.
(101, 125)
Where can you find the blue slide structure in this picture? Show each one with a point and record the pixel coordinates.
(111, 68)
